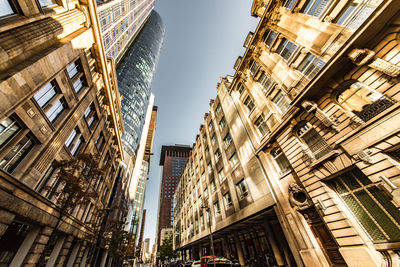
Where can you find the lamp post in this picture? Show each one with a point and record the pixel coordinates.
(211, 237)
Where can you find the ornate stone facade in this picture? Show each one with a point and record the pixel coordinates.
(323, 120)
(58, 99)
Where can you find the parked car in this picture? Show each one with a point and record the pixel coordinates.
(208, 261)
(188, 264)
(196, 264)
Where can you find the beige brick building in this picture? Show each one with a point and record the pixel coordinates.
(298, 159)
(59, 98)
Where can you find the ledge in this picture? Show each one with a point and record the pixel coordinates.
(324, 158)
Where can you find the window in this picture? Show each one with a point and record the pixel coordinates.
(209, 168)
(213, 187)
(204, 138)
(269, 37)
(75, 73)
(74, 141)
(100, 142)
(316, 144)
(214, 139)
(228, 200)
(50, 100)
(202, 220)
(240, 88)
(289, 4)
(205, 193)
(45, 3)
(242, 188)
(254, 66)
(227, 140)
(210, 126)
(217, 209)
(218, 110)
(310, 66)
(363, 101)
(90, 115)
(281, 160)
(261, 126)
(395, 154)
(222, 123)
(207, 151)
(286, 49)
(6, 8)
(46, 180)
(217, 155)
(281, 101)
(234, 160)
(221, 176)
(372, 208)
(249, 104)
(266, 82)
(15, 144)
(315, 7)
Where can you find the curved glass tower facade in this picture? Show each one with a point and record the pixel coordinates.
(135, 74)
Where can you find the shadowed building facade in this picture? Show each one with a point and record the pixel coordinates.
(58, 99)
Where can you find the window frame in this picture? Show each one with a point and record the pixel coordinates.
(283, 100)
(22, 140)
(49, 105)
(242, 194)
(249, 102)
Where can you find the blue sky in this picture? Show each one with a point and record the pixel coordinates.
(203, 39)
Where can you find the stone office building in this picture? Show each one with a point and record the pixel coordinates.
(58, 98)
(315, 100)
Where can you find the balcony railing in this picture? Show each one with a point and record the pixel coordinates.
(317, 151)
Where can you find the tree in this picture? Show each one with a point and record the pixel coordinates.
(166, 249)
(75, 176)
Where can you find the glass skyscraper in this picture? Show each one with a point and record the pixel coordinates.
(135, 74)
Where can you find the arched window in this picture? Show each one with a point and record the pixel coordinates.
(317, 146)
(363, 101)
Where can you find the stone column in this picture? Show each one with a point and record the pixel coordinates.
(104, 258)
(225, 247)
(273, 243)
(25, 247)
(200, 251)
(38, 246)
(238, 247)
(64, 250)
(74, 254)
(6, 219)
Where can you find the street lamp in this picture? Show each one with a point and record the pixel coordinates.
(211, 237)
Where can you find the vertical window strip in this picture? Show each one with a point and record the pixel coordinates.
(286, 49)
(269, 37)
(281, 101)
(8, 129)
(315, 7)
(6, 8)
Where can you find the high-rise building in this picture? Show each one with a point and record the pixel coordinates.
(135, 74)
(58, 99)
(121, 21)
(301, 146)
(173, 159)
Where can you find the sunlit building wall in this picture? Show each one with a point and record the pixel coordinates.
(313, 102)
(121, 21)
